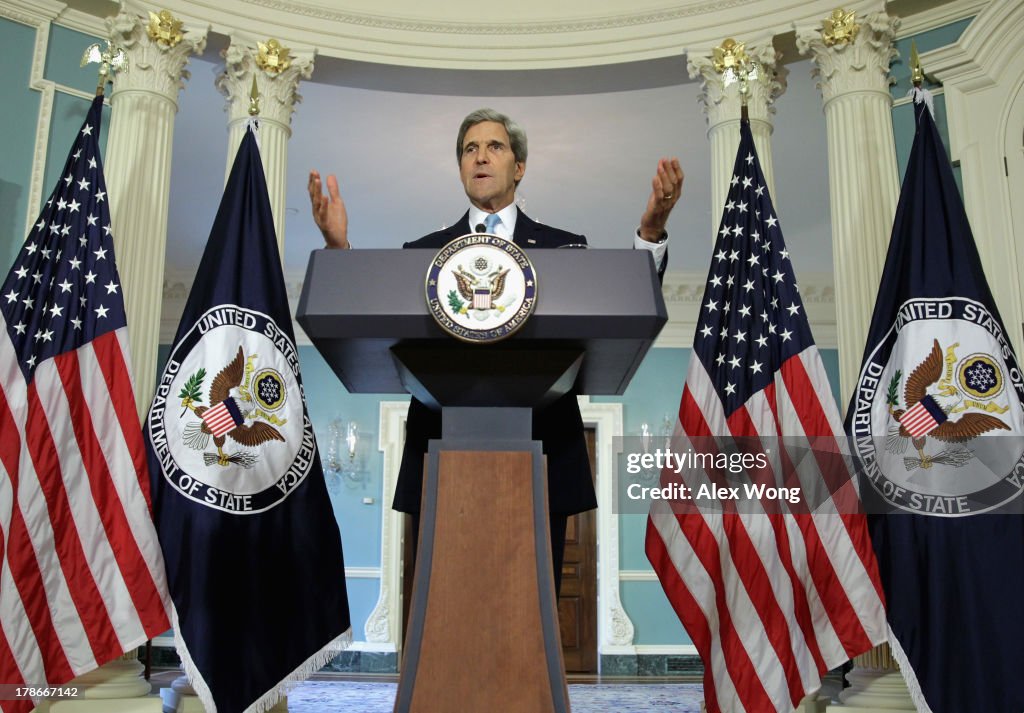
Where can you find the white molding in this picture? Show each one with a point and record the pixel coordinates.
(566, 34)
(384, 624)
(614, 628)
(82, 22)
(31, 12)
(666, 650)
(369, 647)
(638, 575)
(46, 89)
(940, 16)
(362, 572)
(983, 75)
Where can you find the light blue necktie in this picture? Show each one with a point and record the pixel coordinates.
(491, 222)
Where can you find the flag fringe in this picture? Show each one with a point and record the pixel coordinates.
(923, 95)
(263, 704)
(313, 664)
(907, 671)
(195, 679)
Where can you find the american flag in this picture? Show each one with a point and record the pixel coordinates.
(774, 599)
(81, 572)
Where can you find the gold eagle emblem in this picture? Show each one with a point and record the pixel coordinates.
(932, 378)
(230, 384)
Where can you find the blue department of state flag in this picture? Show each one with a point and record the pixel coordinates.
(253, 552)
(937, 420)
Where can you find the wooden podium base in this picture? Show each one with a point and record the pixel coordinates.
(483, 631)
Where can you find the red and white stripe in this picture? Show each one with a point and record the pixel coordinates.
(81, 571)
(219, 420)
(918, 420)
(770, 600)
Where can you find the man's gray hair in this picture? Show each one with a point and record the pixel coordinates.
(516, 135)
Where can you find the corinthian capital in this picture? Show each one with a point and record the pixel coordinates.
(851, 54)
(721, 94)
(156, 56)
(277, 71)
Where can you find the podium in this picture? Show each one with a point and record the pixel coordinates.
(483, 627)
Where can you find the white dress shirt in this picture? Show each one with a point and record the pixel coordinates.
(506, 228)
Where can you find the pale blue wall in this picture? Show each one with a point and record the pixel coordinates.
(63, 66)
(360, 523)
(19, 113)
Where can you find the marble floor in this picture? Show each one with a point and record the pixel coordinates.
(319, 696)
(587, 694)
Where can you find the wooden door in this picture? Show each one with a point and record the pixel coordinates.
(577, 604)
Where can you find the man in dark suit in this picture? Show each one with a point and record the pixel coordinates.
(491, 150)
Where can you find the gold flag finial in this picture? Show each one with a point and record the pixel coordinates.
(272, 57)
(735, 65)
(729, 59)
(916, 72)
(840, 27)
(254, 98)
(164, 29)
(110, 60)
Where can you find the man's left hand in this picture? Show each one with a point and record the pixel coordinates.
(666, 187)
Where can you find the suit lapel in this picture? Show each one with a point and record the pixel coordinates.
(526, 234)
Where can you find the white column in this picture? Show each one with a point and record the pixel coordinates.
(279, 94)
(722, 105)
(138, 171)
(853, 76)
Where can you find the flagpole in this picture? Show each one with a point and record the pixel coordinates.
(181, 697)
(875, 679)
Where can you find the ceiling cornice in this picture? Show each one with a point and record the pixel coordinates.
(572, 33)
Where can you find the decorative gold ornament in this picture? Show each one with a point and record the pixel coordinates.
(729, 59)
(734, 64)
(254, 99)
(916, 72)
(164, 29)
(272, 57)
(110, 60)
(840, 28)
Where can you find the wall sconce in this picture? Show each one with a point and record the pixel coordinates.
(651, 441)
(345, 458)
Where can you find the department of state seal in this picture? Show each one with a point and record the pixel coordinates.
(938, 411)
(228, 423)
(481, 288)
